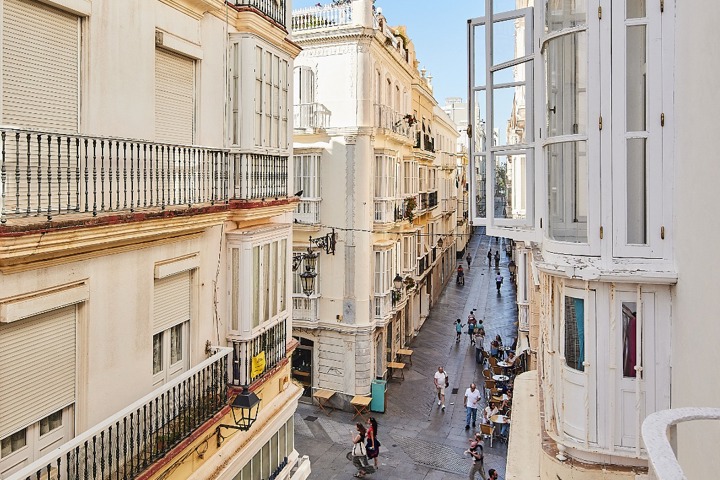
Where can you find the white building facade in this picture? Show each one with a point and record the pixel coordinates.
(588, 172)
(369, 166)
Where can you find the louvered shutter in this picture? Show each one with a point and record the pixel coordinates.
(171, 302)
(40, 90)
(37, 368)
(174, 98)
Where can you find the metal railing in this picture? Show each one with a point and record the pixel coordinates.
(308, 211)
(424, 203)
(657, 427)
(271, 342)
(305, 308)
(389, 119)
(275, 9)
(260, 176)
(48, 174)
(449, 205)
(422, 265)
(388, 211)
(428, 143)
(310, 115)
(383, 305)
(321, 16)
(130, 441)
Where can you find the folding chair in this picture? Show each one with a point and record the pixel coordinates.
(487, 374)
(493, 361)
(498, 370)
(489, 386)
(487, 431)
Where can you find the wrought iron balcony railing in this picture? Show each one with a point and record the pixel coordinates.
(275, 9)
(130, 441)
(383, 305)
(321, 16)
(305, 308)
(388, 210)
(389, 119)
(271, 343)
(47, 174)
(310, 115)
(308, 211)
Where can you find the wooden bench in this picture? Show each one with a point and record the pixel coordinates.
(396, 366)
(361, 404)
(405, 352)
(323, 398)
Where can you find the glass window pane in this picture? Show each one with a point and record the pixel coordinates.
(566, 84)
(567, 191)
(291, 434)
(246, 471)
(575, 333)
(283, 441)
(509, 115)
(636, 191)
(480, 53)
(13, 443)
(635, 8)
(235, 295)
(510, 186)
(256, 287)
(508, 40)
(272, 280)
(176, 342)
(274, 462)
(629, 326)
(51, 422)
(479, 121)
(266, 282)
(480, 185)
(157, 353)
(561, 14)
(636, 78)
(282, 273)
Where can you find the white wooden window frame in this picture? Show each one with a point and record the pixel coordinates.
(386, 177)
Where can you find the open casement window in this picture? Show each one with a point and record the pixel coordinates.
(501, 148)
(637, 158)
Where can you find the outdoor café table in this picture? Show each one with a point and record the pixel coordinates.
(501, 378)
(499, 419)
(405, 352)
(361, 404)
(323, 397)
(396, 366)
(504, 364)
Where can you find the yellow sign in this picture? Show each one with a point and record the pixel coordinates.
(258, 364)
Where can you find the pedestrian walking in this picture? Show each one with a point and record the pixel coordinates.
(476, 453)
(471, 324)
(472, 397)
(493, 475)
(490, 257)
(373, 444)
(468, 259)
(458, 330)
(442, 381)
(359, 454)
(498, 281)
(497, 258)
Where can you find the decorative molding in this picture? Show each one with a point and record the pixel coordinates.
(173, 266)
(35, 303)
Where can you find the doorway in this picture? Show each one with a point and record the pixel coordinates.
(302, 367)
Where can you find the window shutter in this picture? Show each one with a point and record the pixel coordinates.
(174, 98)
(40, 67)
(37, 361)
(171, 301)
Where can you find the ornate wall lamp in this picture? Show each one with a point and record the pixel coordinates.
(245, 407)
(309, 258)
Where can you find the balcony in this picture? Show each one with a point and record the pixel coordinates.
(449, 205)
(271, 342)
(422, 265)
(424, 201)
(398, 123)
(305, 308)
(655, 431)
(47, 174)
(274, 9)
(321, 16)
(130, 441)
(428, 143)
(308, 211)
(311, 116)
(388, 211)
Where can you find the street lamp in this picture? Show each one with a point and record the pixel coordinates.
(307, 279)
(397, 288)
(309, 258)
(440, 243)
(245, 407)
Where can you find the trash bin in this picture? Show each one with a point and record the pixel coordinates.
(377, 392)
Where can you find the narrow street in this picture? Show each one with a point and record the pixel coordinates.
(418, 440)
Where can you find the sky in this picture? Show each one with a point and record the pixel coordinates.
(438, 28)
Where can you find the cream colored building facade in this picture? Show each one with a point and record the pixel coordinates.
(592, 175)
(374, 157)
(145, 232)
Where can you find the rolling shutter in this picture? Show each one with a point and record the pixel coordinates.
(171, 301)
(174, 98)
(37, 368)
(40, 67)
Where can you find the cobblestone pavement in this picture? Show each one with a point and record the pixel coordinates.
(419, 441)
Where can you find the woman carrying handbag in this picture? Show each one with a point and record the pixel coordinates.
(373, 445)
(359, 454)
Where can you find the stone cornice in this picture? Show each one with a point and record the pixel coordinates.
(41, 245)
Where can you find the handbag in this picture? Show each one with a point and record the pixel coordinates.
(359, 450)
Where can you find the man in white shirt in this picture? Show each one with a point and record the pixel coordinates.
(441, 381)
(472, 397)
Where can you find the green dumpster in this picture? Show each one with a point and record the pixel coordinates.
(377, 392)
